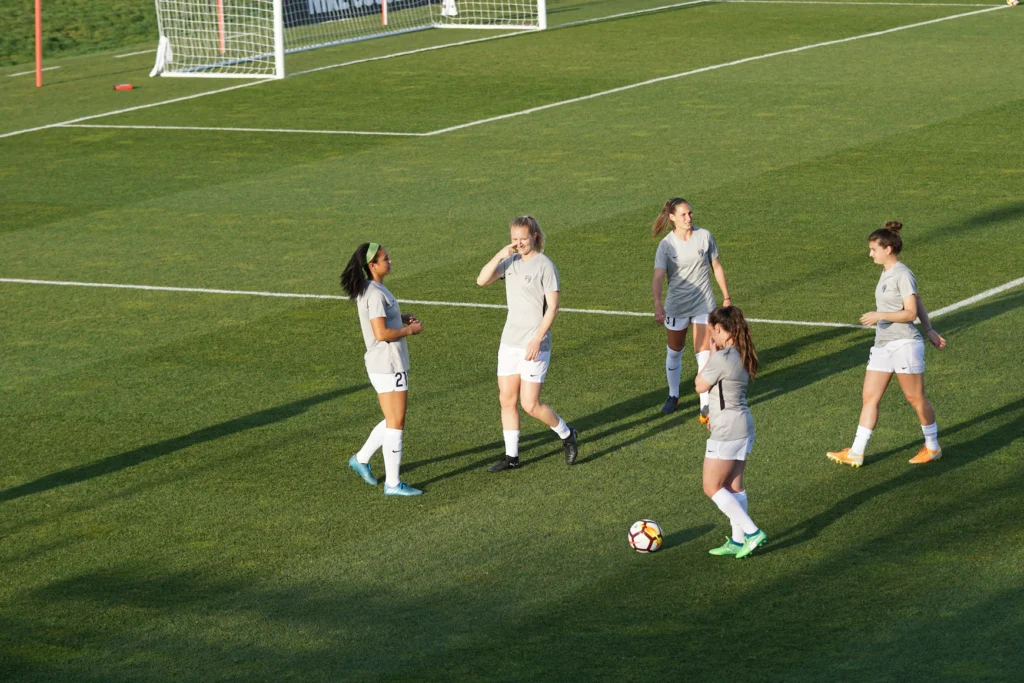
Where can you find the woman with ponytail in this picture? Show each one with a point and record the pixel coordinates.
(898, 349)
(387, 361)
(686, 256)
(733, 363)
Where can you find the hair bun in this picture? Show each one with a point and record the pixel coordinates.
(893, 226)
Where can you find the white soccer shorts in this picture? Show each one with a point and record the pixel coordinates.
(385, 383)
(903, 356)
(512, 361)
(736, 449)
(678, 324)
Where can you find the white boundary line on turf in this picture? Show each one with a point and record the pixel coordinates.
(863, 4)
(132, 54)
(463, 304)
(25, 73)
(583, 98)
(244, 130)
(714, 67)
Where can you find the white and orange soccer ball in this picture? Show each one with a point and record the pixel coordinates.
(645, 536)
(1012, 3)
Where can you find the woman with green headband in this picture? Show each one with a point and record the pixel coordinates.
(387, 361)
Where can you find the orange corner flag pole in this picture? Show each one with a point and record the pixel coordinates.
(39, 44)
(220, 23)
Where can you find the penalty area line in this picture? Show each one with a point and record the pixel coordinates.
(336, 297)
(244, 130)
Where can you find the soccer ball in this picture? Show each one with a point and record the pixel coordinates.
(645, 536)
(1012, 3)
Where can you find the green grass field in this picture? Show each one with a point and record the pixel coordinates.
(174, 497)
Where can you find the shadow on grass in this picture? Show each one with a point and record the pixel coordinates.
(121, 461)
(953, 458)
(684, 536)
(610, 418)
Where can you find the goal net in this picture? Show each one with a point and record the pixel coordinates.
(250, 38)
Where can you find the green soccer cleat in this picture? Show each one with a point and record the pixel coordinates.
(730, 547)
(751, 541)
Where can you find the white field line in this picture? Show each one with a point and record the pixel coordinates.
(464, 304)
(25, 73)
(977, 297)
(132, 54)
(428, 49)
(137, 108)
(714, 67)
(574, 100)
(244, 130)
(884, 4)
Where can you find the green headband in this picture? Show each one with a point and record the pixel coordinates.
(371, 252)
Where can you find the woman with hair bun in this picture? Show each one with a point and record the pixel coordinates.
(532, 292)
(898, 349)
(387, 361)
(733, 363)
(686, 257)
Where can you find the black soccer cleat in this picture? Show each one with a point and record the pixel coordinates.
(670, 405)
(572, 449)
(506, 463)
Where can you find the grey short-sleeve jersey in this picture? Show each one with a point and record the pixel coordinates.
(526, 284)
(895, 285)
(381, 357)
(687, 264)
(729, 378)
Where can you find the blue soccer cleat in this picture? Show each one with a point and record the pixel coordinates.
(402, 489)
(362, 470)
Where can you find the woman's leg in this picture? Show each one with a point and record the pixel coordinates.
(393, 404)
(913, 390)
(674, 366)
(717, 474)
(702, 351)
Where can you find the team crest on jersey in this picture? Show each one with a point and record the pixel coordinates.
(527, 279)
(700, 252)
(884, 287)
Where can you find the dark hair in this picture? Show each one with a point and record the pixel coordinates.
(888, 236)
(732, 321)
(357, 272)
(661, 222)
(531, 224)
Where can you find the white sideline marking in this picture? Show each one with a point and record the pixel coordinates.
(714, 67)
(464, 304)
(125, 111)
(132, 54)
(978, 297)
(438, 47)
(25, 73)
(583, 98)
(846, 2)
(243, 130)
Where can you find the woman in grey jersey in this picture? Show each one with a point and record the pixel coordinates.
(531, 290)
(387, 361)
(733, 363)
(898, 349)
(686, 256)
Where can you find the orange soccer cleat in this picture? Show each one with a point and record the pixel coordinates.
(845, 457)
(926, 455)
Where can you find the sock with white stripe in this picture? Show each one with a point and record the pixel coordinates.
(392, 456)
(931, 436)
(673, 370)
(374, 442)
(727, 503)
(860, 442)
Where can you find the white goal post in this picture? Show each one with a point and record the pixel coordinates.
(250, 38)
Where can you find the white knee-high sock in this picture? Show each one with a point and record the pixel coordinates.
(392, 456)
(702, 360)
(673, 369)
(727, 503)
(374, 442)
(511, 442)
(860, 442)
(931, 436)
(737, 531)
(561, 428)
